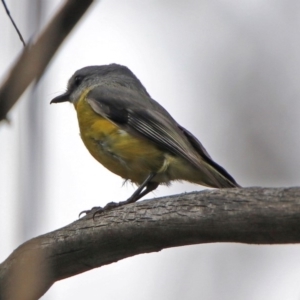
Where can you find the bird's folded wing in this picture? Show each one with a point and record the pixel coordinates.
(144, 117)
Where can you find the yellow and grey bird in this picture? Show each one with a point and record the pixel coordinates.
(133, 136)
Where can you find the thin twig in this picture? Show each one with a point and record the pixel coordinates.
(12, 20)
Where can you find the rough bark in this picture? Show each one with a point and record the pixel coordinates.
(249, 215)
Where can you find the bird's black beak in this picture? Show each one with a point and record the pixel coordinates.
(61, 98)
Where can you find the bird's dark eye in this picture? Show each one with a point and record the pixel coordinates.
(77, 80)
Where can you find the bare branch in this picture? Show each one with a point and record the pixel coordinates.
(36, 56)
(249, 215)
(13, 22)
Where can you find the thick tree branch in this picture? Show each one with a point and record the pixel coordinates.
(249, 215)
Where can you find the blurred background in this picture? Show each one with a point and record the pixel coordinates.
(228, 71)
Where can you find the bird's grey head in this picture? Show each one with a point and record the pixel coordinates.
(86, 78)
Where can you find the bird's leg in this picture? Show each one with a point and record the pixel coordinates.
(150, 186)
(139, 193)
(146, 187)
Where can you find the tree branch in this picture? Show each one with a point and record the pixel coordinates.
(34, 59)
(249, 215)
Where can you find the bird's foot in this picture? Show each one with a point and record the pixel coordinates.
(108, 207)
(89, 211)
(98, 209)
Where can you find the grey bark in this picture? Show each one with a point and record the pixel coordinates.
(249, 215)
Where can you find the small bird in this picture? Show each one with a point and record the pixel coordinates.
(133, 136)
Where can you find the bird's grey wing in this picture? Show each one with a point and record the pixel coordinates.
(127, 110)
(204, 154)
(144, 117)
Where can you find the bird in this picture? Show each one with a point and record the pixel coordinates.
(133, 136)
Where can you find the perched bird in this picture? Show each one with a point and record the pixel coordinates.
(134, 136)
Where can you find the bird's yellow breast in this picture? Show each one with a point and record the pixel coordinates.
(128, 156)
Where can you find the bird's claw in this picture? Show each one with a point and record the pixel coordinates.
(88, 211)
(98, 209)
(107, 207)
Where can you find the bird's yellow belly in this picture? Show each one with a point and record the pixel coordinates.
(123, 154)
